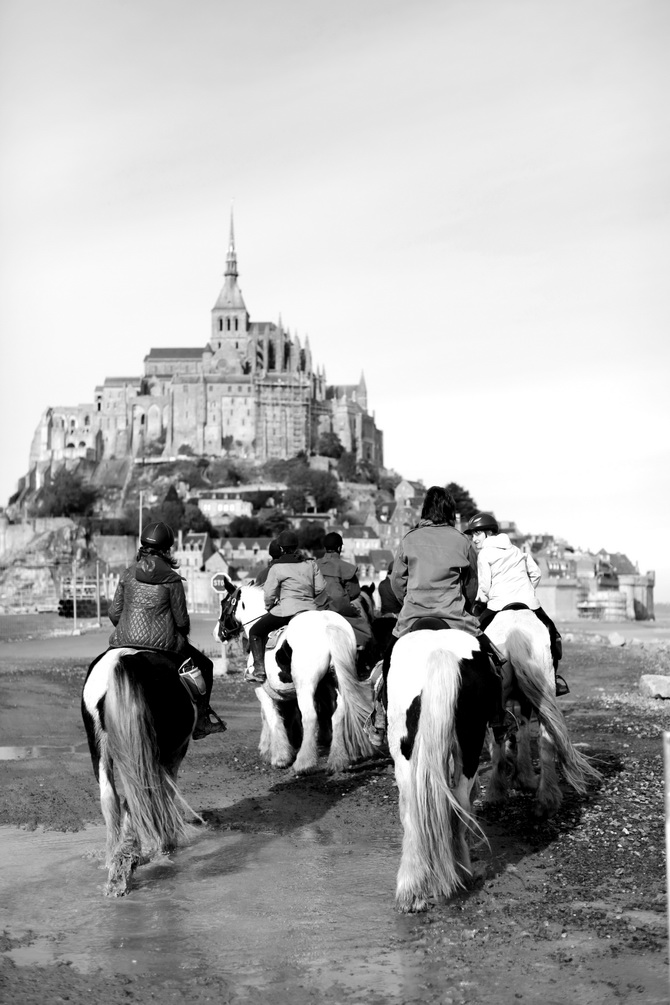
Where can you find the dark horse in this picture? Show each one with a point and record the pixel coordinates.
(139, 719)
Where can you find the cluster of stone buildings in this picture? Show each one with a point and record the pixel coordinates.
(575, 584)
(252, 391)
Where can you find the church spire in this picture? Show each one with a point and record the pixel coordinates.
(229, 314)
(231, 257)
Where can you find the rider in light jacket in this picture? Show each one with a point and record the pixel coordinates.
(291, 587)
(507, 576)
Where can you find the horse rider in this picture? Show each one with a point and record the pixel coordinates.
(507, 576)
(291, 587)
(274, 551)
(390, 605)
(342, 587)
(149, 612)
(435, 578)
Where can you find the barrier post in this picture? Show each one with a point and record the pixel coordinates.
(97, 590)
(666, 775)
(74, 595)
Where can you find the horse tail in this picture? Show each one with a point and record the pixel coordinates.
(158, 812)
(355, 695)
(538, 688)
(435, 763)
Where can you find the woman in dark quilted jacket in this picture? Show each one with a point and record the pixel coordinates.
(149, 612)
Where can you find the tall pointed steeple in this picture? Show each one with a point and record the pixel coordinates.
(230, 318)
(231, 257)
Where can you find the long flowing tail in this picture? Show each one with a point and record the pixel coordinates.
(538, 688)
(158, 812)
(356, 696)
(432, 806)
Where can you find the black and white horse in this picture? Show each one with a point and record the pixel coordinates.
(139, 719)
(441, 693)
(322, 649)
(524, 641)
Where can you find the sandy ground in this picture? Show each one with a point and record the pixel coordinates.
(571, 910)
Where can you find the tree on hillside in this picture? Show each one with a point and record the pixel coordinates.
(295, 499)
(311, 534)
(67, 495)
(465, 504)
(245, 526)
(346, 467)
(194, 519)
(329, 445)
(170, 511)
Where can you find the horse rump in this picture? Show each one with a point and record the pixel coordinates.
(141, 718)
(435, 737)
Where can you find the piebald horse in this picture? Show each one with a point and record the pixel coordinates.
(524, 641)
(441, 693)
(139, 719)
(322, 649)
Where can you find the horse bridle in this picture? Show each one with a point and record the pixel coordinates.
(229, 626)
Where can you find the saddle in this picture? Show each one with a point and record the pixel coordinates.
(275, 637)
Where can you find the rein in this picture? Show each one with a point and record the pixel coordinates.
(225, 632)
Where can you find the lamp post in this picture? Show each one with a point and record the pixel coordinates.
(139, 533)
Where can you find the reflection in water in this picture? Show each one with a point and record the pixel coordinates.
(23, 753)
(257, 910)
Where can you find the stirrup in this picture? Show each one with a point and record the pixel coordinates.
(207, 727)
(561, 686)
(503, 730)
(252, 676)
(376, 734)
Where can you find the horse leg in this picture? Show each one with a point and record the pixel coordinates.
(308, 755)
(338, 759)
(525, 772)
(127, 857)
(463, 793)
(498, 784)
(549, 796)
(111, 808)
(413, 879)
(274, 745)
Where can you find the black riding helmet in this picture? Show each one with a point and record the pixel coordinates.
(482, 521)
(288, 539)
(333, 541)
(158, 536)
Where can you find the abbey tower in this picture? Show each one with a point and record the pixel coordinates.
(252, 391)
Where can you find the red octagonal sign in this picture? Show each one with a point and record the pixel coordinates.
(219, 582)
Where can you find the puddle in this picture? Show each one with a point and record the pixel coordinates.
(24, 753)
(255, 909)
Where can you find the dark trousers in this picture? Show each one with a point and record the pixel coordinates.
(266, 624)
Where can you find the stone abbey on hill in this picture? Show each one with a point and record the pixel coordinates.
(251, 392)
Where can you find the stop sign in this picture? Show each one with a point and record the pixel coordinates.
(219, 582)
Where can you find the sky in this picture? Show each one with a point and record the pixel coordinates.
(467, 200)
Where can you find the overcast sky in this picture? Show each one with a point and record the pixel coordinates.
(465, 199)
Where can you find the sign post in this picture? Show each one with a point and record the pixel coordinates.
(219, 582)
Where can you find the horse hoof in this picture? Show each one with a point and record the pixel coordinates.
(304, 769)
(116, 888)
(413, 905)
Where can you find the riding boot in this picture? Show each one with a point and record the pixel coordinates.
(256, 674)
(556, 655)
(204, 724)
(375, 724)
(192, 677)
